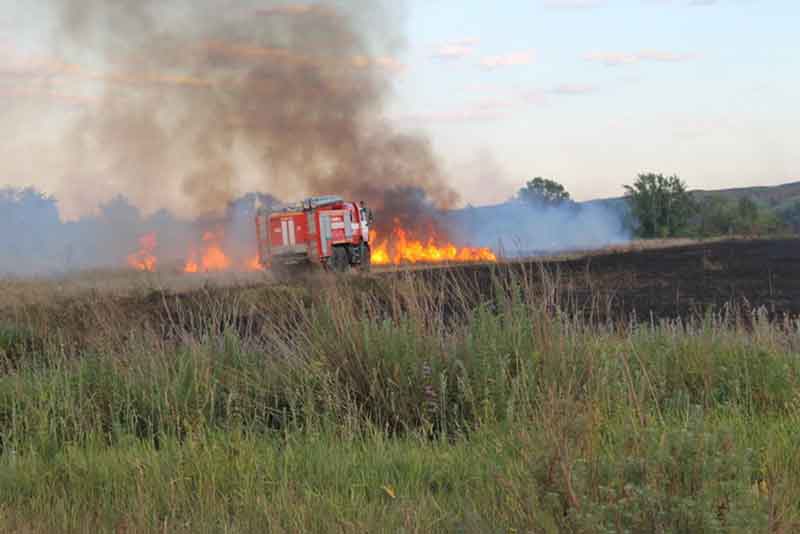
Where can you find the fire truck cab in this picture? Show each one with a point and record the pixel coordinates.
(324, 231)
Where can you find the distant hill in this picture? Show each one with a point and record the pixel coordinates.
(774, 196)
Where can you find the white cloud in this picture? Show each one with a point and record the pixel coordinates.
(573, 89)
(499, 107)
(664, 57)
(508, 60)
(455, 50)
(613, 59)
(465, 114)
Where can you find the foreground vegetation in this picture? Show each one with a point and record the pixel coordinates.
(394, 406)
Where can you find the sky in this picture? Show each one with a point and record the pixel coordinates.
(593, 92)
(586, 92)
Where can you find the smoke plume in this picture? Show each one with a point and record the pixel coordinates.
(192, 88)
(190, 104)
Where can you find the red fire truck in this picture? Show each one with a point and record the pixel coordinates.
(325, 231)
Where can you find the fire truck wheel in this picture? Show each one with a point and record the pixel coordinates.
(281, 273)
(366, 258)
(340, 260)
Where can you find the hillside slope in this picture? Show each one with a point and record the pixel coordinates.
(775, 196)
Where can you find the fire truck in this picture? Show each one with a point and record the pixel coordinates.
(324, 231)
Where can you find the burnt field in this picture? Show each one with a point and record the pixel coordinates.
(664, 282)
(688, 281)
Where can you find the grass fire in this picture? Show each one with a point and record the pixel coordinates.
(399, 249)
(143, 259)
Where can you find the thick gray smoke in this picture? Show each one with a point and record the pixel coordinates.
(296, 90)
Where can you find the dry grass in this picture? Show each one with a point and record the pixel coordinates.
(19, 291)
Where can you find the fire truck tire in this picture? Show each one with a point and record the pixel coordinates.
(281, 273)
(366, 258)
(340, 260)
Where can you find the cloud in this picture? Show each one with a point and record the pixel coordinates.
(574, 4)
(493, 108)
(466, 114)
(508, 60)
(486, 109)
(665, 57)
(573, 89)
(702, 3)
(613, 59)
(455, 50)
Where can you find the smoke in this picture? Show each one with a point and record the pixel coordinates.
(191, 89)
(520, 229)
(35, 241)
(192, 103)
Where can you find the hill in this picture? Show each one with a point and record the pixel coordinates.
(774, 196)
(777, 196)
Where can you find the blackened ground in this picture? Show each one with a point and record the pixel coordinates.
(669, 282)
(681, 281)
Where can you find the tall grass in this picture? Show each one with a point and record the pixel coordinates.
(395, 405)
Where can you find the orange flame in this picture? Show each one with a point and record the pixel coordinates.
(253, 264)
(400, 249)
(211, 259)
(143, 259)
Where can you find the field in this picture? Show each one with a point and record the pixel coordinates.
(634, 390)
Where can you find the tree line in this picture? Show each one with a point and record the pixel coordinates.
(658, 206)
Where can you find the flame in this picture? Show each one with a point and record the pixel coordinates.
(254, 264)
(401, 249)
(397, 249)
(143, 259)
(211, 259)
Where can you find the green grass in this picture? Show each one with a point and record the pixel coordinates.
(397, 407)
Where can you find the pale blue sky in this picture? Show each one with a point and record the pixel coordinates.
(605, 89)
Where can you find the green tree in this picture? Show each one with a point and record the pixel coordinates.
(747, 215)
(790, 216)
(662, 205)
(543, 191)
(715, 216)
